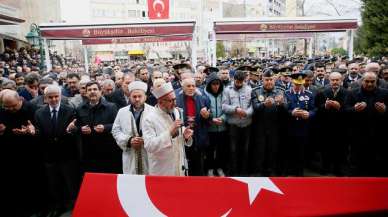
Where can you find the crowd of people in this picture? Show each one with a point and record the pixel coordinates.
(276, 116)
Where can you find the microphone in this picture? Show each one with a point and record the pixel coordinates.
(180, 110)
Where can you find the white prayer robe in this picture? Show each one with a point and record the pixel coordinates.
(124, 127)
(166, 155)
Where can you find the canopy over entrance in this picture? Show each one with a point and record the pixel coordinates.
(9, 20)
(123, 33)
(136, 40)
(281, 27)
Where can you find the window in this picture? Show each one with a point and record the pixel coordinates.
(137, 1)
(143, 14)
(131, 13)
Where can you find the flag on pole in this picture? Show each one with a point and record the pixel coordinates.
(158, 9)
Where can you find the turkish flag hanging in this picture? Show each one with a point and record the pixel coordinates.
(158, 9)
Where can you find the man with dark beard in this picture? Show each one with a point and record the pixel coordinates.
(238, 109)
(94, 121)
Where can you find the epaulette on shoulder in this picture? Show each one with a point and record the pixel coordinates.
(280, 88)
(308, 91)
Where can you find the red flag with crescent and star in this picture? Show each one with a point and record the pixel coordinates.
(104, 195)
(158, 9)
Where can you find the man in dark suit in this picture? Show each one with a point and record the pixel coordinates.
(368, 113)
(196, 115)
(20, 158)
(320, 75)
(352, 76)
(94, 121)
(54, 124)
(331, 117)
(120, 96)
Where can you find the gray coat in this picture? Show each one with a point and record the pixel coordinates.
(238, 99)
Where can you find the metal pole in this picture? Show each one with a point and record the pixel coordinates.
(311, 48)
(41, 65)
(86, 60)
(214, 48)
(47, 55)
(350, 34)
(194, 50)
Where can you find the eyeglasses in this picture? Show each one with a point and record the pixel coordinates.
(169, 100)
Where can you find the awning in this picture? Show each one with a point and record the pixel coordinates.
(61, 31)
(284, 25)
(8, 20)
(151, 39)
(135, 52)
(8, 37)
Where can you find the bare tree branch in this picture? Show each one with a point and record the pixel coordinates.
(324, 13)
(333, 6)
(303, 3)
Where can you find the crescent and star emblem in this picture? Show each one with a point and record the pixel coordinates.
(154, 5)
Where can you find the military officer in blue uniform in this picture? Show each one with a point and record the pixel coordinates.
(270, 110)
(284, 82)
(300, 109)
(255, 77)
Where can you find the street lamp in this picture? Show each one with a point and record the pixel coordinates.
(35, 39)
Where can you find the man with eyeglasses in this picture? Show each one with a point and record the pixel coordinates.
(165, 136)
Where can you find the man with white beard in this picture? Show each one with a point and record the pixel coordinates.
(127, 130)
(164, 136)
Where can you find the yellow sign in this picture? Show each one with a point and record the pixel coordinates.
(135, 52)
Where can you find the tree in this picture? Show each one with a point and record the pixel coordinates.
(373, 35)
(338, 51)
(220, 49)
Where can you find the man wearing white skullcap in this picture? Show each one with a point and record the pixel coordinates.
(128, 129)
(164, 135)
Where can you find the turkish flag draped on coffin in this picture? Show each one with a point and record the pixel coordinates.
(104, 195)
(158, 9)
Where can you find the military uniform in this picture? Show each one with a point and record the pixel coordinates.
(267, 128)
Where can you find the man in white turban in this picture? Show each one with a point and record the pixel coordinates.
(165, 137)
(128, 129)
